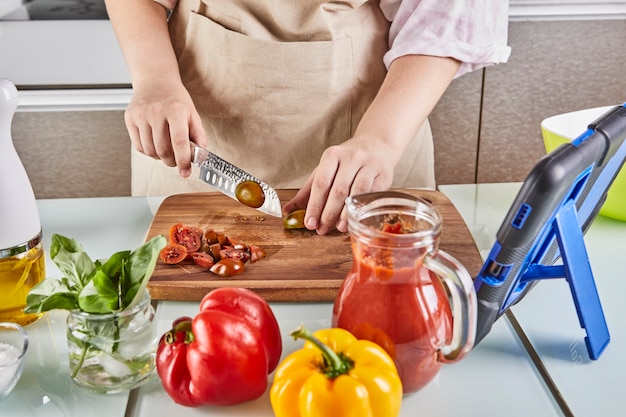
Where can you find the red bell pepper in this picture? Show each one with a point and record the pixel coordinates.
(225, 354)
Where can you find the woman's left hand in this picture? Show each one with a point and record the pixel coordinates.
(364, 163)
(359, 165)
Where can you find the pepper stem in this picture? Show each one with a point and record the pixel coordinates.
(335, 364)
(181, 326)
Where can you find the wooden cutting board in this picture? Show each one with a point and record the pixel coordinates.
(300, 266)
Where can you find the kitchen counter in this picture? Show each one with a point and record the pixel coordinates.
(499, 376)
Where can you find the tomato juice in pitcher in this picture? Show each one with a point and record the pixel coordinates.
(402, 292)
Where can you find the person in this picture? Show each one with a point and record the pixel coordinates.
(331, 97)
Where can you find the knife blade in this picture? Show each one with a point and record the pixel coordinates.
(225, 176)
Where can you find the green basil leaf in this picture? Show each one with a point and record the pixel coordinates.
(71, 259)
(100, 295)
(98, 287)
(57, 301)
(113, 266)
(138, 270)
(50, 294)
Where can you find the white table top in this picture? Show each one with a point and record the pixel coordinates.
(497, 378)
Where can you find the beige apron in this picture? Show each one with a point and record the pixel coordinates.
(276, 83)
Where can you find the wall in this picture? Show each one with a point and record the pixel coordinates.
(74, 153)
(487, 126)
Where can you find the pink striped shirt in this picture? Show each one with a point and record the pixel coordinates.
(473, 32)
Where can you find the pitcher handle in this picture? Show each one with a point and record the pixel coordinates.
(461, 290)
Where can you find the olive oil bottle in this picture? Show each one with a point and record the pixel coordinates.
(22, 261)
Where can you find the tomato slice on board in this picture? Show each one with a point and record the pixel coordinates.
(222, 239)
(256, 253)
(214, 250)
(294, 219)
(202, 259)
(228, 267)
(230, 252)
(189, 237)
(199, 231)
(173, 254)
(210, 236)
(209, 249)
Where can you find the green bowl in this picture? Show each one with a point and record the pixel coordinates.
(563, 128)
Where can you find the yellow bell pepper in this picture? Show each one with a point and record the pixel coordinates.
(335, 374)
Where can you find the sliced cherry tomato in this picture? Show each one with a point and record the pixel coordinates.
(186, 236)
(214, 250)
(256, 253)
(210, 236)
(250, 193)
(198, 231)
(236, 243)
(202, 259)
(228, 267)
(207, 248)
(222, 239)
(173, 254)
(230, 252)
(295, 220)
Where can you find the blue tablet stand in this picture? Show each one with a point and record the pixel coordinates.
(571, 209)
(577, 271)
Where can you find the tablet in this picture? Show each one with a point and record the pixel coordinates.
(541, 236)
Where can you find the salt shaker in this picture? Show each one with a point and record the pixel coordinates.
(22, 261)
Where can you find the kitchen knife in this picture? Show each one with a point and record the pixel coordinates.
(225, 176)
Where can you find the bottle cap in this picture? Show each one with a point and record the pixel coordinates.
(8, 91)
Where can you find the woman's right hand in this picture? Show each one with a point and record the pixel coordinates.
(161, 120)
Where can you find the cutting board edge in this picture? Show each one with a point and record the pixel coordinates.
(310, 295)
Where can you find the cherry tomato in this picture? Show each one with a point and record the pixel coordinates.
(211, 236)
(230, 252)
(256, 253)
(173, 254)
(295, 220)
(222, 239)
(250, 193)
(189, 237)
(237, 244)
(206, 248)
(228, 267)
(214, 250)
(202, 259)
(198, 231)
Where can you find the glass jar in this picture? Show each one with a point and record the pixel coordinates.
(13, 348)
(403, 293)
(21, 268)
(109, 353)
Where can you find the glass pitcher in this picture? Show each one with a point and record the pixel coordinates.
(402, 292)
